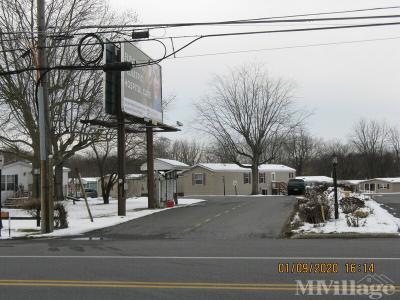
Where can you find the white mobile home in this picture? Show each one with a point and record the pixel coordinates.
(17, 179)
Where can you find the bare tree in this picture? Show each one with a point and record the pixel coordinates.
(188, 152)
(105, 153)
(394, 140)
(73, 95)
(370, 140)
(299, 148)
(249, 114)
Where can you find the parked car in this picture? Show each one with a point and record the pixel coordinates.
(91, 193)
(296, 187)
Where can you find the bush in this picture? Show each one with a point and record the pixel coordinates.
(354, 221)
(32, 206)
(317, 209)
(60, 216)
(360, 214)
(351, 204)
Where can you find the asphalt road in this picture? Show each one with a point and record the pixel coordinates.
(391, 202)
(225, 248)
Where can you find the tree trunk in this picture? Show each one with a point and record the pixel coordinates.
(105, 192)
(254, 179)
(58, 182)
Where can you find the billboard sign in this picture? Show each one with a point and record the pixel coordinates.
(141, 92)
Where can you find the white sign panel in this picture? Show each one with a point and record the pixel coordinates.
(141, 87)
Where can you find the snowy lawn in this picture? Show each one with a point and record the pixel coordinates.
(104, 215)
(379, 221)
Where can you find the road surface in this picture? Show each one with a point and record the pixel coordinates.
(225, 248)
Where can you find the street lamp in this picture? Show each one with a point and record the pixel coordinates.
(334, 164)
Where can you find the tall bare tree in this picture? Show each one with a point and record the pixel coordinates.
(73, 95)
(370, 139)
(189, 152)
(394, 141)
(105, 153)
(249, 114)
(299, 148)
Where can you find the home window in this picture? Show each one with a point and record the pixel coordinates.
(10, 183)
(246, 178)
(3, 182)
(261, 177)
(273, 176)
(199, 179)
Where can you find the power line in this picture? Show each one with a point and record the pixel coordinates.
(288, 47)
(302, 29)
(223, 22)
(265, 21)
(237, 33)
(234, 34)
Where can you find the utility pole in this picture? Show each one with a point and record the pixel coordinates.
(43, 99)
(150, 167)
(121, 159)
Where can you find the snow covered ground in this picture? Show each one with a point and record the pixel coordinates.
(379, 221)
(104, 215)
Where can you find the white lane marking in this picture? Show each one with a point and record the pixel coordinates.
(227, 211)
(200, 257)
(207, 220)
(197, 225)
(217, 215)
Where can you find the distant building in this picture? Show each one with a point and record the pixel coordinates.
(352, 185)
(17, 180)
(92, 183)
(316, 180)
(166, 180)
(167, 171)
(136, 186)
(380, 185)
(231, 179)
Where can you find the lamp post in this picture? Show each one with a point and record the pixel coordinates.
(334, 164)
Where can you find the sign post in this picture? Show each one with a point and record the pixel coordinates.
(136, 93)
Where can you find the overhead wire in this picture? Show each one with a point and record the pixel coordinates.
(288, 47)
(233, 34)
(235, 21)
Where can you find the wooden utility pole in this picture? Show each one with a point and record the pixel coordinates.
(150, 167)
(121, 149)
(43, 99)
(121, 164)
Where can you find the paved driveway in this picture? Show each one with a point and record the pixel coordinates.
(390, 203)
(218, 218)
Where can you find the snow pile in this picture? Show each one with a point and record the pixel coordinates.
(104, 215)
(378, 221)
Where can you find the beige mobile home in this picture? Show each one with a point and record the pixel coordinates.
(231, 179)
(380, 185)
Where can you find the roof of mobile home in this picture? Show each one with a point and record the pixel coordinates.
(218, 167)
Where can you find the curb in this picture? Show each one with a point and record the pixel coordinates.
(349, 235)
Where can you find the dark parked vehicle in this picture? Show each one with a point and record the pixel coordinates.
(91, 193)
(296, 187)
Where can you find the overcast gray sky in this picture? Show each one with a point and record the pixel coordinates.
(340, 83)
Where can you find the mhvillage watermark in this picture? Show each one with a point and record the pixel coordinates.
(374, 286)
